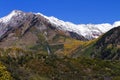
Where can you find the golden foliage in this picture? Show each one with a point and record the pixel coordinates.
(71, 45)
(4, 74)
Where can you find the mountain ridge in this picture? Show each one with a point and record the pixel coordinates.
(88, 31)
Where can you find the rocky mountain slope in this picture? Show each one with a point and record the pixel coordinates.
(20, 28)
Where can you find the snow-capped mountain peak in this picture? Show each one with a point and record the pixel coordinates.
(8, 18)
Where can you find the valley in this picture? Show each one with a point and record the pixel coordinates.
(36, 47)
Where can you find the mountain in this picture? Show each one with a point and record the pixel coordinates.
(33, 31)
(16, 19)
(49, 34)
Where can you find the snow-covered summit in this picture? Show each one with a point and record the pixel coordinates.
(9, 17)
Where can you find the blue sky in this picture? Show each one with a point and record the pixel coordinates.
(76, 11)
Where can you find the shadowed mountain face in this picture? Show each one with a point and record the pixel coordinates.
(108, 46)
(111, 37)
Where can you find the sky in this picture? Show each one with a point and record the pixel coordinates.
(76, 11)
